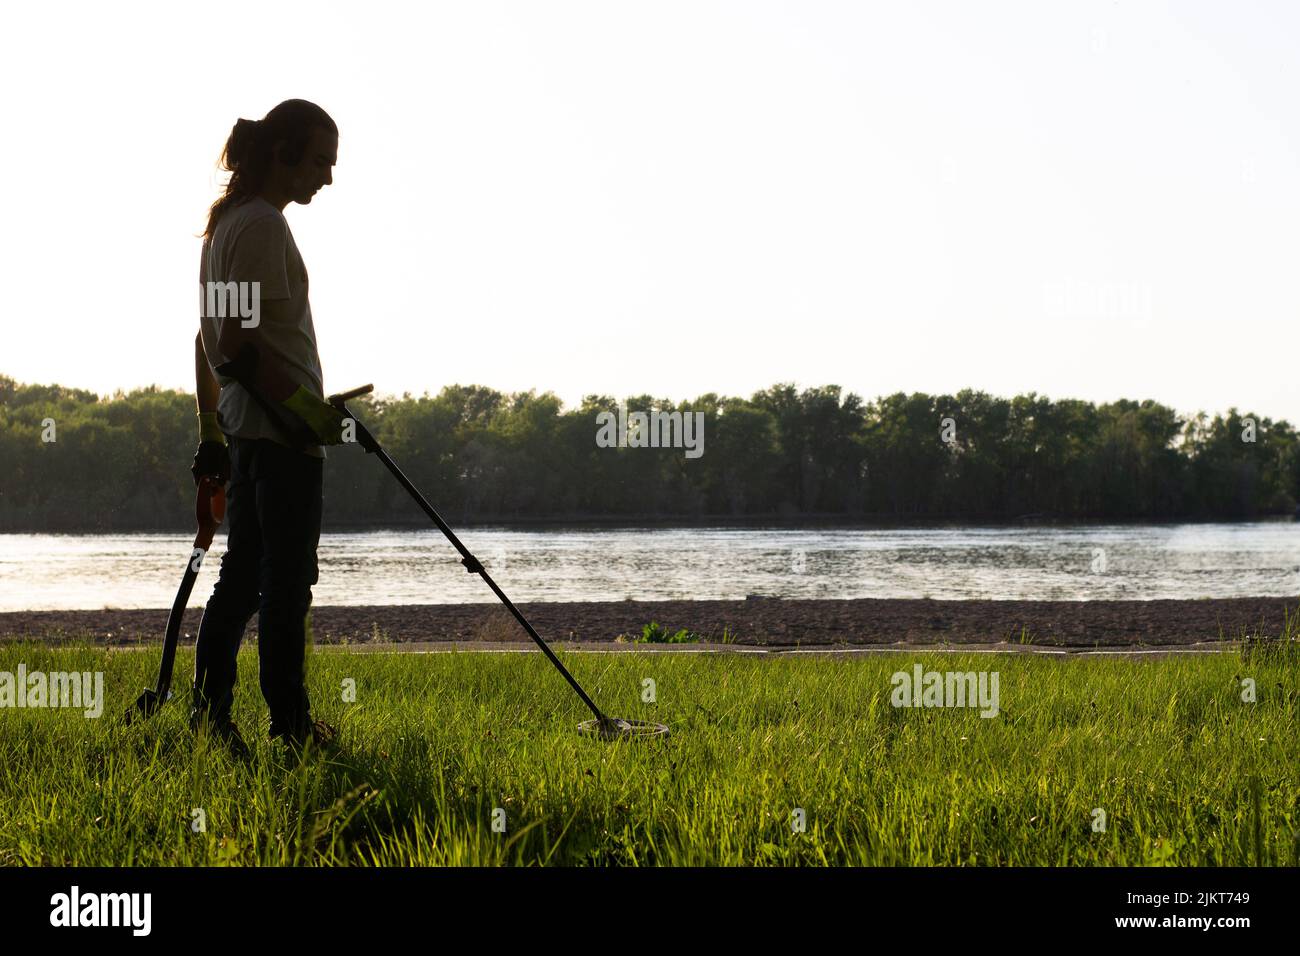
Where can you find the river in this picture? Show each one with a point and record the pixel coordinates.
(1125, 562)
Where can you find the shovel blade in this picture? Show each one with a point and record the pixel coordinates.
(147, 704)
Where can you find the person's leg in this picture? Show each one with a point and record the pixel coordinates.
(289, 499)
(234, 597)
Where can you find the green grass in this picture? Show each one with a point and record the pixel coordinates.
(1186, 772)
(656, 633)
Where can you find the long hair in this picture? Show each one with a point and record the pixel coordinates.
(248, 151)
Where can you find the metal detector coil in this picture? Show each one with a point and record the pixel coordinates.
(619, 728)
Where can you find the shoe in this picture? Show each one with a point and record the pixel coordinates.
(321, 736)
(227, 733)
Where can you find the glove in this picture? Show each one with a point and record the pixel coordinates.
(213, 458)
(324, 420)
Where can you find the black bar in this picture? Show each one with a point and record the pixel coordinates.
(964, 910)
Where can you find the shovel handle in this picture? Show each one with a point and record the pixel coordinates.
(209, 508)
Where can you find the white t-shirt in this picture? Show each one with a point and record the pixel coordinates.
(252, 243)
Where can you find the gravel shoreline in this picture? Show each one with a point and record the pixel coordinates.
(756, 621)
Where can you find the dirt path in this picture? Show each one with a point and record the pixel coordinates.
(771, 652)
(754, 622)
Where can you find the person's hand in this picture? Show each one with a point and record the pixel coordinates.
(324, 420)
(212, 460)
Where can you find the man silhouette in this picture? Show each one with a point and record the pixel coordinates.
(249, 428)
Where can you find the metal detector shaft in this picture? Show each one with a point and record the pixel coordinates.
(471, 563)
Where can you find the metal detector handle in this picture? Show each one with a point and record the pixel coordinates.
(338, 400)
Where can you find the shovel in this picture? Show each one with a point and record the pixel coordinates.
(209, 510)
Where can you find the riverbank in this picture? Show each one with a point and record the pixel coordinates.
(757, 621)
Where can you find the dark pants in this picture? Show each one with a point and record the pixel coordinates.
(273, 510)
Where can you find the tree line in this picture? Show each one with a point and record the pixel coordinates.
(75, 461)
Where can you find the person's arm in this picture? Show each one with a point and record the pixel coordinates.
(259, 256)
(264, 374)
(269, 377)
(205, 383)
(212, 458)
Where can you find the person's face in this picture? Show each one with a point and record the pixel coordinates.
(314, 170)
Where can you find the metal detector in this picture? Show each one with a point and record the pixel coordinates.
(604, 727)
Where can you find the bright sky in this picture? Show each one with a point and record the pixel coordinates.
(1092, 200)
